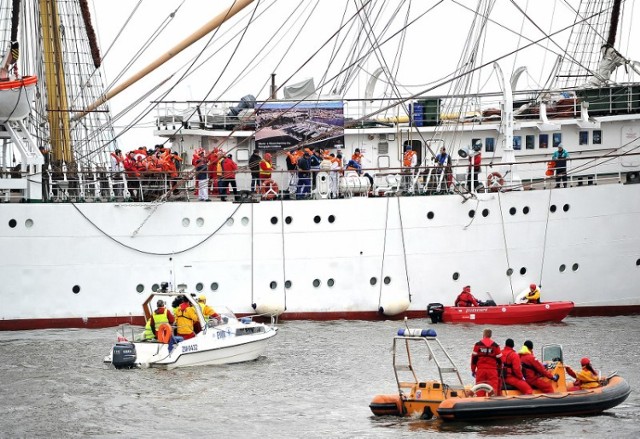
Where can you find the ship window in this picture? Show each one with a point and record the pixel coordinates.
(583, 138)
(373, 281)
(553, 208)
(387, 280)
(274, 220)
(332, 218)
(597, 137)
(273, 285)
(472, 213)
(456, 276)
(557, 139)
(200, 222)
(562, 268)
(316, 219)
(12, 223)
(523, 270)
(489, 144)
(383, 148)
(287, 284)
(186, 222)
(509, 271)
(288, 220)
(485, 212)
(28, 223)
(199, 286)
(530, 141)
(331, 282)
(155, 287)
(244, 220)
(513, 211)
(139, 288)
(214, 286)
(637, 262)
(565, 207)
(525, 210)
(316, 283)
(575, 267)
(230, 222)
(430, 215)
(76, 289)
(543, 141)
(517, 143)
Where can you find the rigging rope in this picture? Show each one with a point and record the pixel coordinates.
(384, 249)
(506, 247)
(404, 251)
(284, 272)
(544, 242)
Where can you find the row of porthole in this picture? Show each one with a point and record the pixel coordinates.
(523, 270)
(512, 211)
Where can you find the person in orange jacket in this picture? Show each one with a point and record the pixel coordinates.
(465, 298)
(229, 168)
(486, 360)
(512, 369)
(534, 372)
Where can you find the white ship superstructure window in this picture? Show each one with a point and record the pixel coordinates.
(597, 137)
(543, 141)
(557, 139)
(530, 141)
(517, 143)
(490, 144)
(583, 138)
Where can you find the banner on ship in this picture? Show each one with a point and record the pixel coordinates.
(308, 124)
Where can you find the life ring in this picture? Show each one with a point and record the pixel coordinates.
(164, 333)
(551, 166)
(495, 181)
(482, 387)
(269, 189)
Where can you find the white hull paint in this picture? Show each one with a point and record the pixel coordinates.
(369, 251)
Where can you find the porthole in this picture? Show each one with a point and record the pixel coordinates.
(472, 213)
(28, 223)
(332, 218)
(553, 208)
(155, 287)
(288, 220)
(273, 285)
(287, 284)
(76, 289)
(562, 268)
(186, 222)
(274, 220)
(316, 219)
(373, 281)
(513, 211)
(139, 288)
(387, 280)
(316, 283)
(200, 222)
(244, 220)
(485, 212)
(637, 262)
(456, 276)
(525, 210)
(523, 270)
(199, 286)
(330, 282)
(214, 286)
(509, 271)
(565, 208)
(575, 267)
(230, 222)
(430, 215)
(12, 223)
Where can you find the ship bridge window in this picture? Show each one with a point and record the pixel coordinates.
(557, 139)
(597, 137)
(583, 138)
(517, 143)
(490, 144)
(530, 141)
(543, 141)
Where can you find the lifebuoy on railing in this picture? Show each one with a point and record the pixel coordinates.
(495, 181)
(269, 189)
(164, 333)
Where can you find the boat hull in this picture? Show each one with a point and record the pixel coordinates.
(580, 402)
(508, 314)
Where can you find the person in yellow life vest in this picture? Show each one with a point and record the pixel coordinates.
(187, 322)
(586, 378)
(265, 168)
(160, 315)
(533, 296)
(207, 311)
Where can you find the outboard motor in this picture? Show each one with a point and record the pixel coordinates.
(248, 101)
(124, 355)
(435, 311)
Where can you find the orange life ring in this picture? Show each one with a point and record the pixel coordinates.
(164, 333)
(269, 189)
(551, 166)
(495, 181)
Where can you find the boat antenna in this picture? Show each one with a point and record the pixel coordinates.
(194, 37)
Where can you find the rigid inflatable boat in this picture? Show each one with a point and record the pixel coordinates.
(512, 314)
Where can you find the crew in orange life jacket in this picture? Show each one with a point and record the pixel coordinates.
(534, 372)
(465, 298)
(410, 159)
(357, 156)
(512, 369)
(486, 361)
(265, 168)
(533, 296)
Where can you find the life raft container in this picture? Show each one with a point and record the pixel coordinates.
(269, 189)
(495, 181)
(164, 333)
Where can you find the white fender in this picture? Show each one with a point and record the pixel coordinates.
(269, 305)
(395, 306)
(322, 184)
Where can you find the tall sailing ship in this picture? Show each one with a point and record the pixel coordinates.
(82, 242)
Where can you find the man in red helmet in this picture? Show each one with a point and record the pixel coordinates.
(465, 298)
(533, 296)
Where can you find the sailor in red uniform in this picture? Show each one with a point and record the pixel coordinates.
(486, 361)
(466, 298)
(512, 370)
(534, 372)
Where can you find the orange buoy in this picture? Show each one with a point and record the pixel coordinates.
(164, 333)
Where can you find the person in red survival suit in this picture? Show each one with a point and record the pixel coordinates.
(534, 372)
(512, 370)
(485, 362)
(465, 298)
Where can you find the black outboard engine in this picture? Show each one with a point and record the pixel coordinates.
(248, 101)
(124, 355)
(435, 311)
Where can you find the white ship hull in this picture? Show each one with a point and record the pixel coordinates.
(240, 258)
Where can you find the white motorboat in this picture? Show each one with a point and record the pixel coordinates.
(224, 339)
